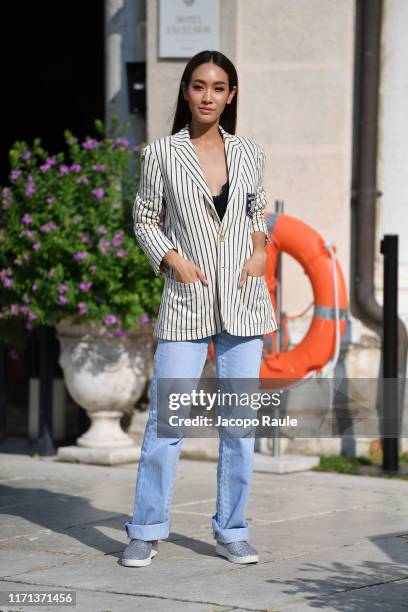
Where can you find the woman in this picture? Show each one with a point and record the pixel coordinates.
(198, 216)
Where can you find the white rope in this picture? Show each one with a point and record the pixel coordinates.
(328, 368)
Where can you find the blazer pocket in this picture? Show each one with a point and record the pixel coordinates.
(183, 293)
(254, 292)
(181, 290)
(181, 308)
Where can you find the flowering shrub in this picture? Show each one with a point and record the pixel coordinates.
(67, 247)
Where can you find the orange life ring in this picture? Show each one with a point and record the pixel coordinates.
(292, 236)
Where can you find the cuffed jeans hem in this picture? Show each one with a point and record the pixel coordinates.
(159, 531)
(225, 536)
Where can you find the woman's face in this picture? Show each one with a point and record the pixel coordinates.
(208, 93)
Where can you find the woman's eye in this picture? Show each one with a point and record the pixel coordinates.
(199, 87)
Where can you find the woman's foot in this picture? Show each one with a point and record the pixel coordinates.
(237, 552)
(139, 553)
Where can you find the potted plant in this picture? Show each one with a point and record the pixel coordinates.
(69, 258)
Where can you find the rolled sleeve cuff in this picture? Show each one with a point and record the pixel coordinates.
(258, 224)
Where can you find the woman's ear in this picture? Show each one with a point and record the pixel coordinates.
(231, 94)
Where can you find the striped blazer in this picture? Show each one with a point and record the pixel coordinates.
(174, 209)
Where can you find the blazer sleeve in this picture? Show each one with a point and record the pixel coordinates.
(258, 220)
(147, 211)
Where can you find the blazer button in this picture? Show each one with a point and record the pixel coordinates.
(221, 238)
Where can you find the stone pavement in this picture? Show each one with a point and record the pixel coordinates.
(326, 541)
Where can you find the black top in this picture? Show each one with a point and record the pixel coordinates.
(221, 199)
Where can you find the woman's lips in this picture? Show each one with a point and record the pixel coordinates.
(206, 111)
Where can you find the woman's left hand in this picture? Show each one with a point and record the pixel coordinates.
(254, 266)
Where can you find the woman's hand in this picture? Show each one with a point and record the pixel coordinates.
(185, 271)
(255, 265)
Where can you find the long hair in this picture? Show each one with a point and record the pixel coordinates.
(228, 117)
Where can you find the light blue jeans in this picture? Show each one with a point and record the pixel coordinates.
(235, 357)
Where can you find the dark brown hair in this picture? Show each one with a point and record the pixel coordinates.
(228, 117)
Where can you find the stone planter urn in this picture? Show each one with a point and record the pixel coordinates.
(106, 377)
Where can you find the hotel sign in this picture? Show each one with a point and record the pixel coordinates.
(187, 27)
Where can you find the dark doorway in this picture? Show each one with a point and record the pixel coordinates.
(52, 80)
(52, 72)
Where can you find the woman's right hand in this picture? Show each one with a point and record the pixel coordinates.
(185, 271)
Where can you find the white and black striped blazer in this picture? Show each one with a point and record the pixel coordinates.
(174, 209)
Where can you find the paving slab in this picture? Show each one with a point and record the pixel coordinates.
(326, 541)
(100, 601)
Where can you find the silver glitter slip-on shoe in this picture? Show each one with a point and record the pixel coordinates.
(139, 553)
(237, 552)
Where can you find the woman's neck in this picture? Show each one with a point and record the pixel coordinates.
(206, 135)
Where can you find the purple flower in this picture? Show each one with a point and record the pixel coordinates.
(28, 233)
(109, 334)
(29, 325)
(85, 285)
(37, 246)
(102, 230)
(13, 309)
(110, 319)
(85, 238)
(80, 255)
(48, 227)
(62, 299)
(121, 142)
(82, 179)
(32, 316)
(51, 161)
(26, 219)
(62, 288)
(24, 309)
(136, 149)
(50, 200)
(51, 273)
(122, 253)
(90, 143)
(98, 193)
(75, 168)
(144, 319)
(7, 197)
(26, 257)
(92, 269)
(30, 187)
(120, 332)
(34, 287)
(26, 155)
(7, 282)
(15, 174)
(99, 167)
(117, 239)
(104, 246)
(63, 169)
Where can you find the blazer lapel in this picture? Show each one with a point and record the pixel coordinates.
(186, 155)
